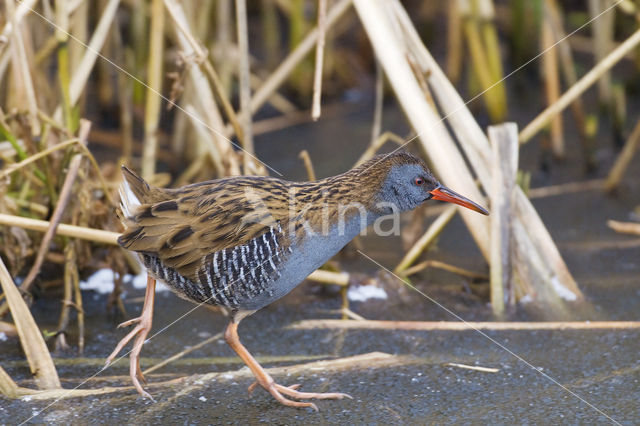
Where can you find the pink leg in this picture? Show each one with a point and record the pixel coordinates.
(267, 382)
(140, 332)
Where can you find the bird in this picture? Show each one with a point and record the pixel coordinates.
(243, 242)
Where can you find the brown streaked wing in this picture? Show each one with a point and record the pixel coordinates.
(200, 219)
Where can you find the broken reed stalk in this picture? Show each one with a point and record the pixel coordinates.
(577, 89)
(478, 153)
(504, 144)
(450, 165)
(244, 82)
(153, 98)
(552, 85)
(426, 240)
(624, 227)
(623, 160)
(33, 345)
(317, 75)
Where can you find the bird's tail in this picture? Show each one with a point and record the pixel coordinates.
(134, 191)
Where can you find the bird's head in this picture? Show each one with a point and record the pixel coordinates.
(407, 182)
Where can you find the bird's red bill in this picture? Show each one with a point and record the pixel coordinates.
(443, 193)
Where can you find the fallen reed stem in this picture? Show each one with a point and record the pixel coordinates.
(461, 326)
(624, 227)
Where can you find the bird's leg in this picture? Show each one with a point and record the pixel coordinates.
(140, 332)
(267, 382)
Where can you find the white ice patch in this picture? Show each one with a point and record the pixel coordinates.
(526, 299)
(363, 293)
(203, 399)
(103, 281)
(561, 290)
(3, 336)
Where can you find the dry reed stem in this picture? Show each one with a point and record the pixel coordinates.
(602, 35)
(21, 11)
(624, 227)
(154, 87)
(317, 75)
(623, 160)
(63, 199)
(23, 74)
(244, 82)
(376, 127)
(504, 143)
(308, 165)
(285, 68)
(473, 367)
(81, 76)
(203, 94)
(33, 344)
(454, 41)
(329, 277)
(552, 85)
(426, 240)
(577, 89)
(570, 76)
(494, 97)
(13, 167)
(205, 135)
(223, 42)
(332, 324)
(445, 267)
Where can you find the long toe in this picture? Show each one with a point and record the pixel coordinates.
(273, 390)
(292, 392)
(130, 322)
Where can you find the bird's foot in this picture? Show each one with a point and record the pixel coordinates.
(277, 392)
(140, 332)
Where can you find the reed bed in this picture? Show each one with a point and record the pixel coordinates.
(178, 89)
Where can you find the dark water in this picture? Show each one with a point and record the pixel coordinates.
(600, 367)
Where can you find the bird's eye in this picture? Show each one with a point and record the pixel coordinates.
(418, 181)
